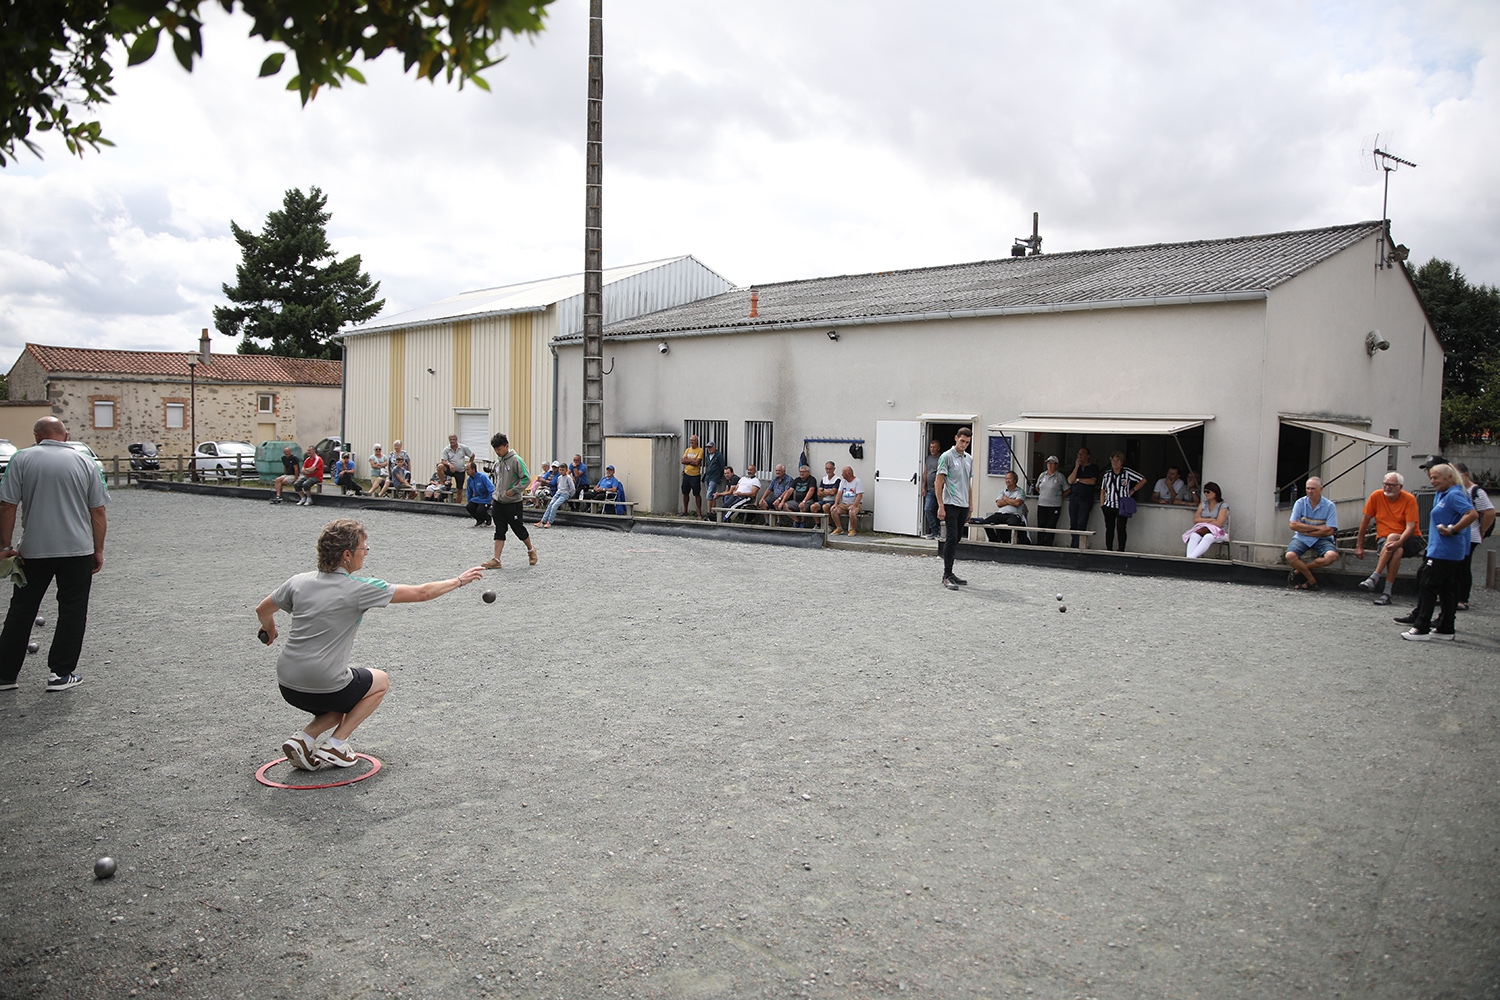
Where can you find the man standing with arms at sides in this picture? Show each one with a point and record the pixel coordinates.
(457, 458)
(61, 496)
(929, 491)
(955, 471)
(692, 474)
(1051, 487)
(1083, 484)
(714, 470)
(511, 477)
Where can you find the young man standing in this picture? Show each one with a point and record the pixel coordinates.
(955, 471)
(511, 477)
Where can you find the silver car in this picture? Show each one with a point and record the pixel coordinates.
(222, 458)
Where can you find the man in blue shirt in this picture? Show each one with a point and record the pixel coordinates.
(479, 494)
(1314, 524)
(610, 488)
(1447, 547)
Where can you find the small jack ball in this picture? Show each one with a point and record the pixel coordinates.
(1059, 597)
(40, 622)
(489, 596)
(1062, 607)
(104, 868)
(32, 647)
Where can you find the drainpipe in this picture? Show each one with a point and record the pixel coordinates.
(343, 396)
(553, 348)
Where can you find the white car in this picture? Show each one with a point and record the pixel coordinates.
(84, 449)
(221, 457)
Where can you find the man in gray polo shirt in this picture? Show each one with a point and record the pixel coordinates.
(61, 496)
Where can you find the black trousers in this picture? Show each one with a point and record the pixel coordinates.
(347, 482)
(1078, 516)
(1047, 517)
(480, 512)
(995, 534)
(509, 515)
(74, 575)
(1113, 523)
(957, 520)
(1440, 578)
(1466, 578)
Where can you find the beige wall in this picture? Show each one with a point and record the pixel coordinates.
(499, 364)
(16, 421)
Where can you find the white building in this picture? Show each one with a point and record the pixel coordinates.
(1251, 360)
(481, 362)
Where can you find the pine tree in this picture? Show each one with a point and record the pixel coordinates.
(293, 293)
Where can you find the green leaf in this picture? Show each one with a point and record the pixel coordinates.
(354, 74)
(272, 65)
(144, 46)
(183, 49)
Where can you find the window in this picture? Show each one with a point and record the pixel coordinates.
(265, 402)
(758, 444)
(175, 414)
(1390, 453)
(104, 413)
(716, 431)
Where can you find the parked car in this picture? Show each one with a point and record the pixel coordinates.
(84, 449)
(222, 457)
(144, 456)
(329, 450)
(6, 450)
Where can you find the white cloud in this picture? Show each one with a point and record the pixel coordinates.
(775, 140)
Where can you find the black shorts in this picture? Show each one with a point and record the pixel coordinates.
(692, 485)
(331, 701)
(509, 514)
(1413, 546)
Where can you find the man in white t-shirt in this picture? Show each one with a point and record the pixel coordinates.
(851, 496)
(1481, 527)
(746, 492)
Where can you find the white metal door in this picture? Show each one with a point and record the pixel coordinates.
(474, 430)
(898, 466)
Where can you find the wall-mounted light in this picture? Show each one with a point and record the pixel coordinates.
(431, 372)
(1375, 342)
(662, 348)
(833, 335)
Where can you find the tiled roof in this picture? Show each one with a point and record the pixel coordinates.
(1245, 264)
(263, 369)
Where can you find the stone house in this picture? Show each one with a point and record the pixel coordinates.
(109, 399)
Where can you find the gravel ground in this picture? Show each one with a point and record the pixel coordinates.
(663, 767)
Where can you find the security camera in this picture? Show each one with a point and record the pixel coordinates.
(662, 348)
(1375, 342)
(833, 335)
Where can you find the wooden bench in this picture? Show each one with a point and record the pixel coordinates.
(769, 514)
(601, 504)
(1083, 536)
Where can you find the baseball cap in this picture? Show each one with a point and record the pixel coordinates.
(1433, 460)
(1050, 458)
(609, 466)
(711, 444)
(556, 464)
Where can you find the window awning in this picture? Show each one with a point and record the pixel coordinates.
(948, 418)
(1096, 423)
(1346, 430)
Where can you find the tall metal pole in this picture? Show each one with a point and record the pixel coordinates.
(593, 252)
(193, 415)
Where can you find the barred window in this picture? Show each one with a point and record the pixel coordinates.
(716, 431)
(758, 444)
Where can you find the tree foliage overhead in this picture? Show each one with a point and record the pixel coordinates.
(1467, 319)
(55, 58)
(287, 301)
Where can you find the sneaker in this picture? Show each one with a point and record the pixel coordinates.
(1407, 619)
(1461, 606)
(1416, 635)
(331, 754)
(490, 564)
(304, 756)
(307, 500)
(1382, 600)
(1370, 583)
(56, 683)
(276, 499)
(9, 687)
(532, 555)
(950, 583)
(1447, 636)
(960, 582)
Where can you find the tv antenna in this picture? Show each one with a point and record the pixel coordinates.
(1387, 162)
(1032, 243)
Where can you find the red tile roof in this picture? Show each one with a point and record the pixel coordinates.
(265, 369)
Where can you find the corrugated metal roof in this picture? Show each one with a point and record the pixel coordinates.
(534, 296)
(263, 369)
(1242, 267)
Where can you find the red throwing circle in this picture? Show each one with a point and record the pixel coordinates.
(260, 775)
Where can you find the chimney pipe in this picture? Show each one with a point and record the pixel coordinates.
(205, 356)
(1036, 234)
(754, 303)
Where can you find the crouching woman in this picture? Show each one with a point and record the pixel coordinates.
(313, 668)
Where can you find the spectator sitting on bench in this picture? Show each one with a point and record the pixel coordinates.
(539, 493)
(380, 473)
(289, 473)
(562, 491)
(439, 486)
(801, 497)
(343, 475)
(580, 474)
(400, 469)
(608, 488)
(1171, 489)
(728, 481)
(1012, 504)
(781, 485)
(1314, 523)
(851, 497)
(312, 475)
(828, 490)
(479, 493)
(746, 492)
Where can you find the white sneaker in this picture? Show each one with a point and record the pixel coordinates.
(303, 755)
(331, 754)
(1416, 636)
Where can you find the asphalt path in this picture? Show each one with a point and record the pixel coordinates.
(675, 767)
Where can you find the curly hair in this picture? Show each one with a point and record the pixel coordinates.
(338, 537)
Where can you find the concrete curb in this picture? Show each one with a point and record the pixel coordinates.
(789, 537)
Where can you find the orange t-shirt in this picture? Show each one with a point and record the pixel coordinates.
(1391, 516)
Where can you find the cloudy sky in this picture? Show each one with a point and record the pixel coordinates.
(773, 140)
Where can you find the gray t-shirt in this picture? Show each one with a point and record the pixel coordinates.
(326, 610)
(929, 471)
(958, 469)
(1049, 489)
(55, 487)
